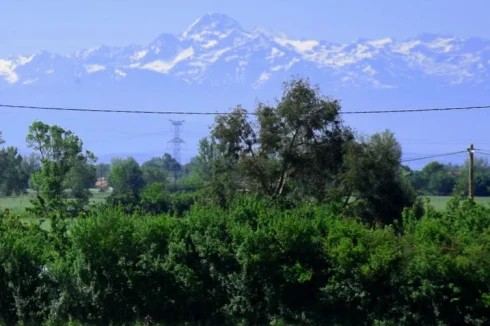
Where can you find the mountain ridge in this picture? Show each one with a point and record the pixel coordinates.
(216, 49)
(215, 64)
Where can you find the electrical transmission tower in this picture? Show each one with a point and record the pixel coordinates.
(176, 141)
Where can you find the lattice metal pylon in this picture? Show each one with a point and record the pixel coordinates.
(176, 141)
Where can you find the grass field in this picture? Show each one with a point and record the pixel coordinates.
(439, 202)
(17, 203)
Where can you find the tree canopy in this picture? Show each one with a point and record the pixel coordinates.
(126, 177)
(300, 150)
(291, 149)
(60, 152)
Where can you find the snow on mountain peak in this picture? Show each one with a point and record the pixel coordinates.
(406, 47)
(381, 42)
(21, 60)
(164, 67)
(212, 21)
(215, 47)
(214, 26)
(300, 46)
(138, 55)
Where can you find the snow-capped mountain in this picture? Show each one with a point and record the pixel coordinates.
(216, 50)
(215, 64)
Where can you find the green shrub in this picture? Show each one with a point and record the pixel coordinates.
(252, 263)
(24, 252)
(155, 199)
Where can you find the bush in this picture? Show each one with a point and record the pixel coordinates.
(24, 252)
(117, 263)
(252, 263)
(155, 199)
(181, 202)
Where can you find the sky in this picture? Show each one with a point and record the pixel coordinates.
(67, 26)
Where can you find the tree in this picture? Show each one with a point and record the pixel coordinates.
(438, 179)
(374, 178)
(60, 151)
(155, 199)
(416, 179)
(294, 148)
(153, 174)
(170, 164)
(435, 179)
(13, 178)
(481, 178)
(154, 171)
(200, 170)
(80, 180)
(202, 164)
(126, 178)
(165, 163)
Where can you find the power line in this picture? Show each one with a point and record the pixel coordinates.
(483, 152)
(419, 110)
(47, 108)
(222, 113)
(431, 156)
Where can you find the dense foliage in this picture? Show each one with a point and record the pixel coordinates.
(250, 264)
(288, 218)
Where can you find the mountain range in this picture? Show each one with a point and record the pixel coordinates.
(215, 64)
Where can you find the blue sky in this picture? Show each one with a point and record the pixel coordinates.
(66, 26)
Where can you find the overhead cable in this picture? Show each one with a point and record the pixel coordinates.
(431, 156)
(48, 108)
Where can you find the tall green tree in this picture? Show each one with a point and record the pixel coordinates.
(157, 166)
(60, 151)
(166, 162)
(291, 149)
(200, 171)
(80, 180)
(153, 174)
(156, 170)
(374, 178)
(435, 179)
(13, 178)
(439, 180)
(126, 177)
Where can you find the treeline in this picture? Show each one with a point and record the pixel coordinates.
(18, 172)
(293, 219)
(440, 179)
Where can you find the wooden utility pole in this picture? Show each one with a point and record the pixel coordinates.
(471, 186)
